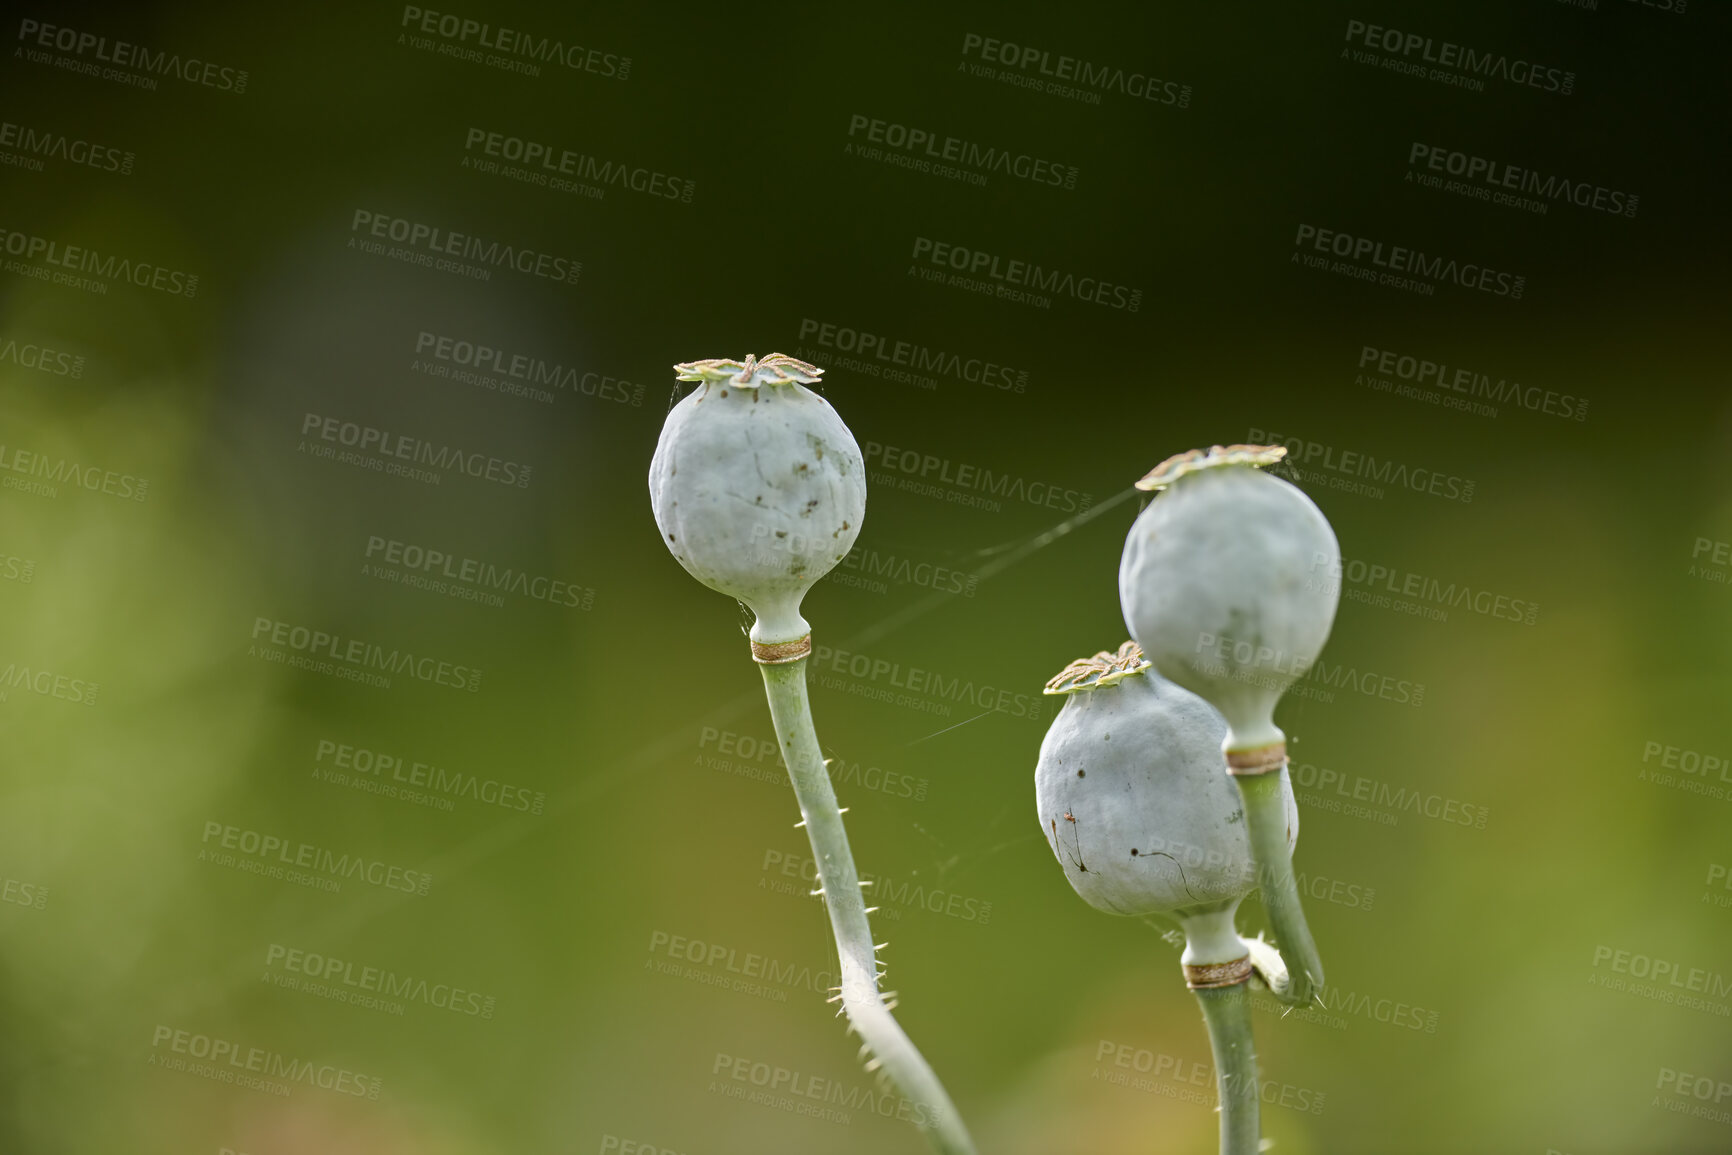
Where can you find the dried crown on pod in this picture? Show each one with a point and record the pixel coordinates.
(758, 487)
(1229, 581)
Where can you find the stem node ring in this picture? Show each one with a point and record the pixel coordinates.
(777, 653)
(1208, 976)
(1261, 760)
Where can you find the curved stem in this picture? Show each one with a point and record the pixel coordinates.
(1227, 1011)
(1266, 823)
(907, 1070)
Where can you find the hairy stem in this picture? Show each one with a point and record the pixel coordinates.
(1266, 822)
(892, 1051)
(1227, 1011)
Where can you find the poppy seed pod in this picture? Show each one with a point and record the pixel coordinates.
(1229, 581)
(758, 487)
(1132, 800)
(759, 490)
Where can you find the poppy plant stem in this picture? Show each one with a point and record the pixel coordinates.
(1227, 1011)
(893, 1053)
(1266, 823)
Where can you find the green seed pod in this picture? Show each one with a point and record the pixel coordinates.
(759, 490)
(1229, 581)
(758, 487)
(1132, 799)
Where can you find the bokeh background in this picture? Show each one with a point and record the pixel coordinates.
(551, 898)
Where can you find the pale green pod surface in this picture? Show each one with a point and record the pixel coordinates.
(1132, 799)
(758, 487)
(1229, 581)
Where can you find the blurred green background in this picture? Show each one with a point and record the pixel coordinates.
(605, 848)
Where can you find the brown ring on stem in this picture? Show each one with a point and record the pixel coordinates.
(776, 653)
(1262, 760)
(1207, 976)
